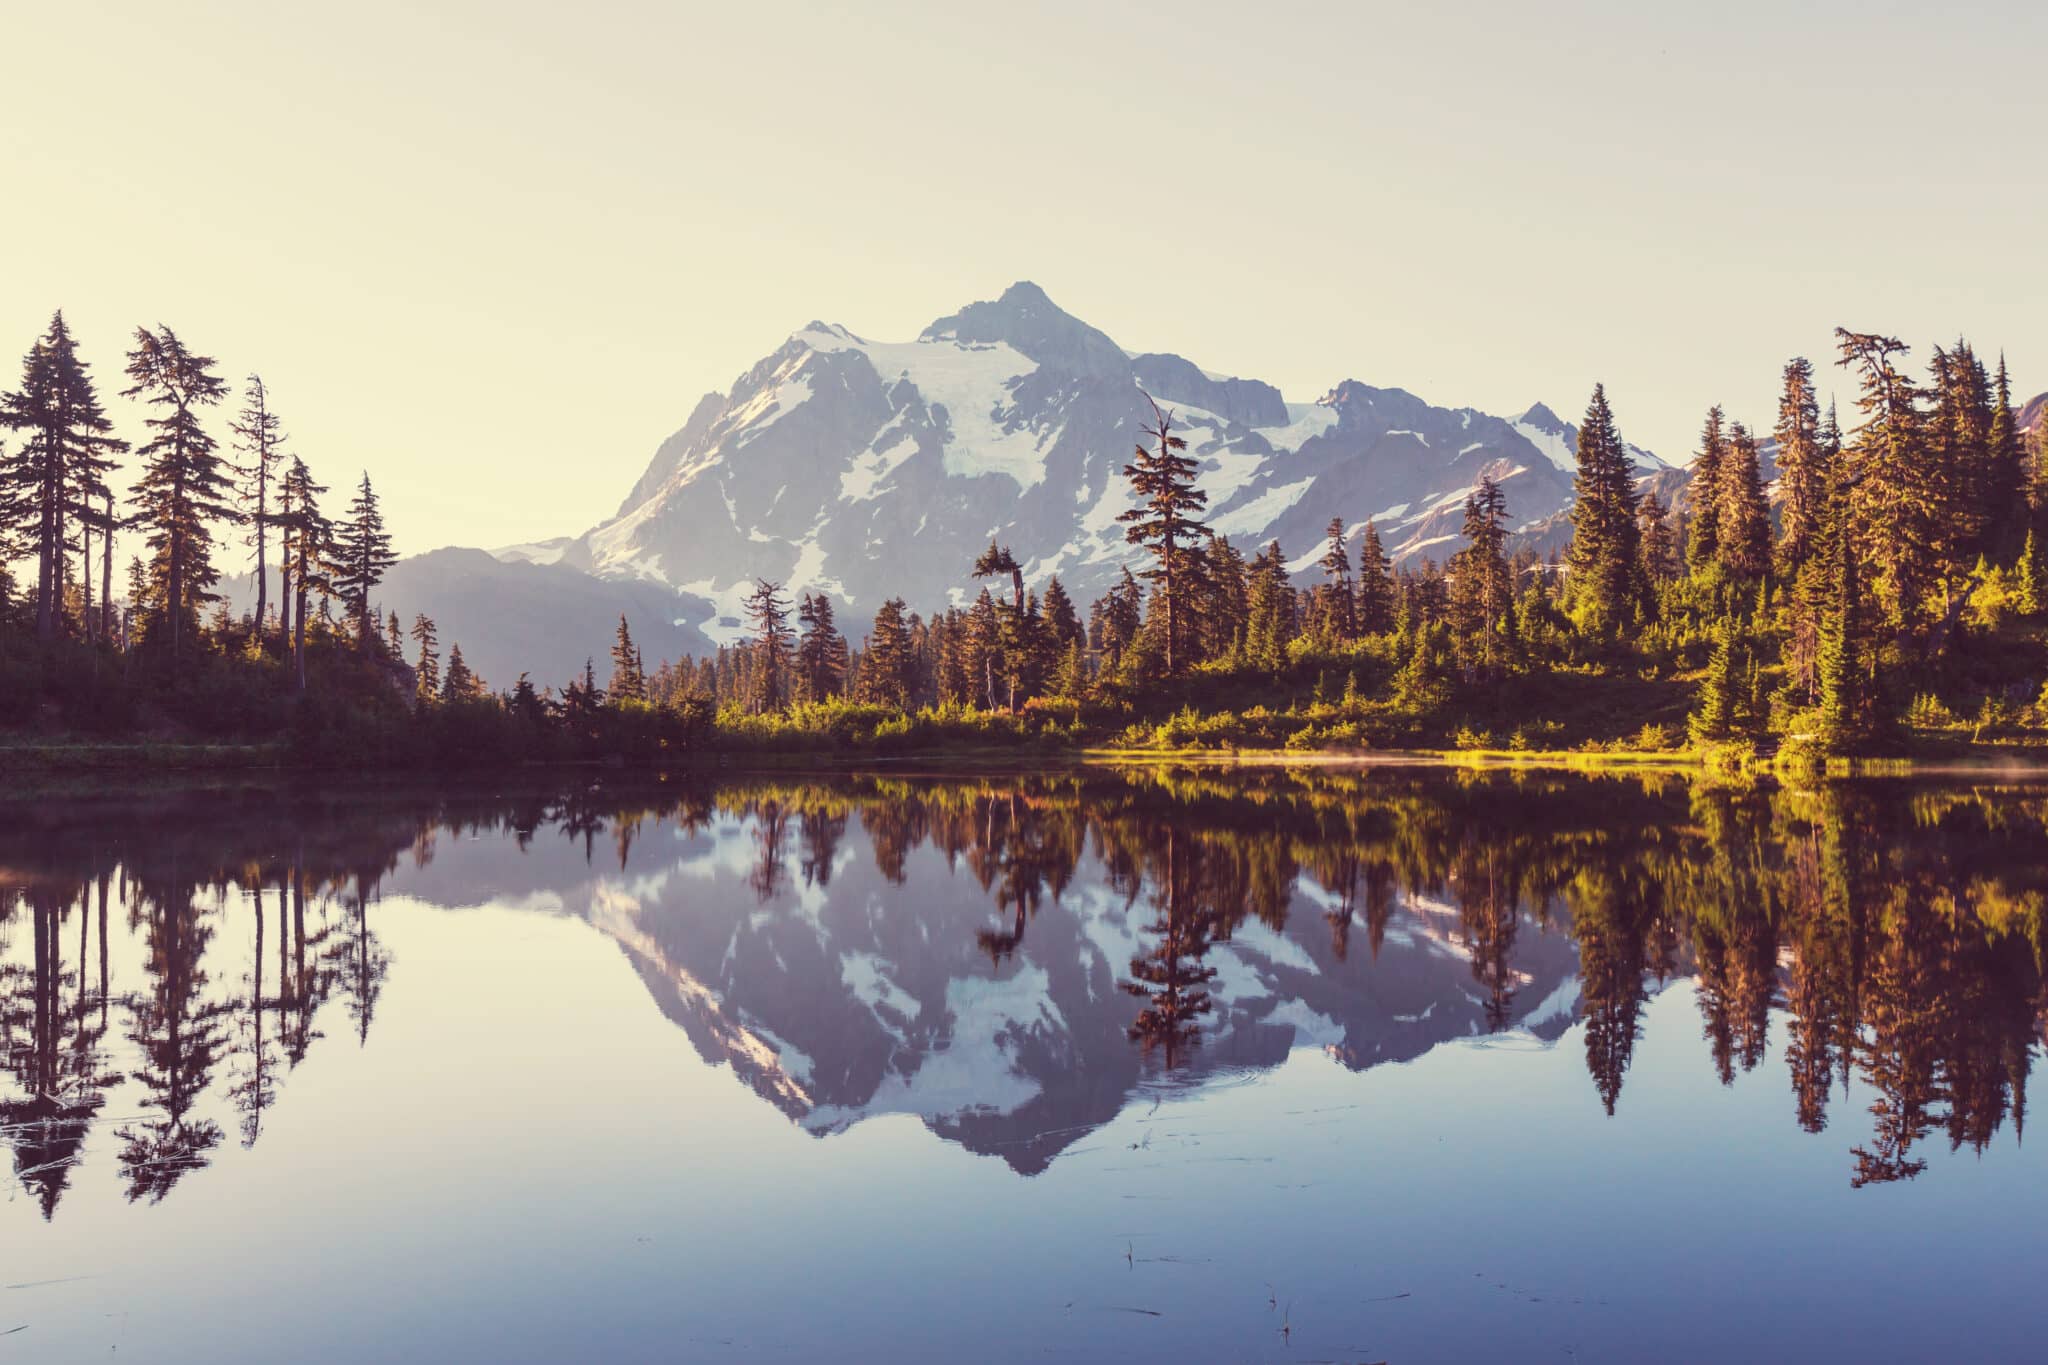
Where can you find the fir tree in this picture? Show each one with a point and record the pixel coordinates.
(1802, 465)
(769, 614)
(1605, 553)
(822, 657)
(525, 703)
(1335, 610)
(1745, 527)
(1482, 587)
(427, 673)
(997, 560)
(982, 649)
(1714, 720)
(304, 554)
(628, 683)
(2006, 471)
(57, 470)
(1165, 523)
(1841, 663)
(184, 487)
(2029, 589)
(1062, 623)
(1222, 609)
(886, 664)
(1660, 541)
(1375, 584)
(460, 685)
(1703, 538)
(260, 439)
(1115, 619)
(1891, 502)
(1269, 609)
(362, 556)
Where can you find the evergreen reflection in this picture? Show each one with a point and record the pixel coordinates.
(1889, 932)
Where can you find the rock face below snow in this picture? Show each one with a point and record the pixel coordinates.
(869, 469)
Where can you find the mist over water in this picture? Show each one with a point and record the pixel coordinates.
(1250, 1064)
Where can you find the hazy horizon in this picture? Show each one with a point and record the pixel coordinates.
(496, 247)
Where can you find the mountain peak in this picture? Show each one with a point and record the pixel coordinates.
(1029, 322)
(1025, 294)
(1542, 418)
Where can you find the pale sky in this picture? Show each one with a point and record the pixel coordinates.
(493, 253)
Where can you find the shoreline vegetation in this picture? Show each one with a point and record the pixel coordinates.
(1880, 599)
(2004, 762)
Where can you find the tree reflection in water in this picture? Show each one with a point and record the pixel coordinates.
(1890, 929)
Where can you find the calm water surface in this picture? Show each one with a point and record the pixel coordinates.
(1267, 1065)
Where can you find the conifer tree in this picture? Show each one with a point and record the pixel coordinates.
(1418, 687)
(1714, 720)
(57, 470)
(1703, 538)
(1482, 587)
(362, 556)
(460, 684)
(1605, 554)
(427, 673)
(769, 614)
(304, 554)
(1269, 609)
(2006, 472)
(1335, 609)
(1802, 470)
(1660, 541)
(1956, 467)
(982, 649)
(822, 657)
(1166, 523)
(525, 703)
(2029, 589)
(1745, 528)
(184, 486)
(1115, 619)
(885, 671)
(260, 439)
(1222, 609)
(628, 683)
(1375, 584)
(1062, 623)
(1891, 503)
(1841, 663)
(997, 560)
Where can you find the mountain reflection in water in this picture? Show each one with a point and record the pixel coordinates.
(1014, 959)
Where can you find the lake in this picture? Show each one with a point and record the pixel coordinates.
(1299, 1064)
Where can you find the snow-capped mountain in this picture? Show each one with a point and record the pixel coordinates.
(868, 469)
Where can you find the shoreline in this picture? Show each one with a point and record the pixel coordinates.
(118, 760)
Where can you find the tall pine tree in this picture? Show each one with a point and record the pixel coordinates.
(1166, 523)
(362, 556)
(1802, 465)
(1703, 537)
(1605, 555)
(185, 486)
(260, 440)
(56, 473)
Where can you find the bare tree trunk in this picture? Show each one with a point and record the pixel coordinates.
(85, 570)
(107, 570)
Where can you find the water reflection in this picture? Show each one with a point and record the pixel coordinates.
(1014, 959)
